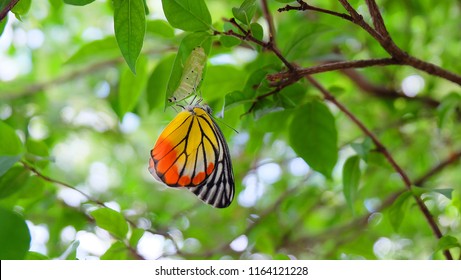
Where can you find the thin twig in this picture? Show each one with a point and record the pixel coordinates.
(382, 149)
(266, 45)
(358, 19)
(95, 201)
(269, 20)
(399, 56)
(384, 92)
(381, 35)
(7, 8)
(362, 221)
(55, 181)
(378, 21)
(332, 66)
(303, 6)
(452, 158)
(384, 39)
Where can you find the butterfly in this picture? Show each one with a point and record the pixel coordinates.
(191, 75)
(191, 152)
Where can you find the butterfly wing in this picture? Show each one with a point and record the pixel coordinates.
(218, 190)
(192, 152)
(184, 155)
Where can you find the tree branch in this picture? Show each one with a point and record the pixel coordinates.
(452, 158)
(385, 40)
(271, 46)
(303, 6)
(382, 149)
(54, 181)
(269, 20)
(382, 36)
(332, 66)
(7, 8)
(95, 201)
(362, 221)
(378, 21)
(397, 55)
(384, 92)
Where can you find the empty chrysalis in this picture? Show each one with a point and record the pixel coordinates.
(191, 75)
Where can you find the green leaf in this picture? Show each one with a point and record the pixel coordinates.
(447, 242)
(117, 251)
(6, 162)
(245, 12)
(146, 8)
(398, 209)
(34, 187)
(78, 2)
(37, 152)
(220, 80)
(3, 24)
(97, 50)
(313, 136)
(364, 148)
(130, 27)
(14, 236)
(229, 41)
(35, 256)
(158, 81)
(10, 148)
(272, 122)
(36, 147)
(448, 193)
(447, 108)
(257, 30)
(280, 256)
(9, 141)
(21, 8)
(112, 221)
(136, 235)
(351, 179)
(131, 87)
(291, 96)
(188, 15)
(56, 5)
(188, 43)
(159, 28)
(13, 180)
(254, 81)
(445, 192)
(235, 98)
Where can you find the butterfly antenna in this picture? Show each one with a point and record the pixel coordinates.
(224, 123)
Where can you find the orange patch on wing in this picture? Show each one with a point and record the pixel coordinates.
(184, 181)
(199, 178)
(165, 157)
(210, 168)
(161, 148)
(172, 176)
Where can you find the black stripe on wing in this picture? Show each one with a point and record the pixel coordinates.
(218, 189)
